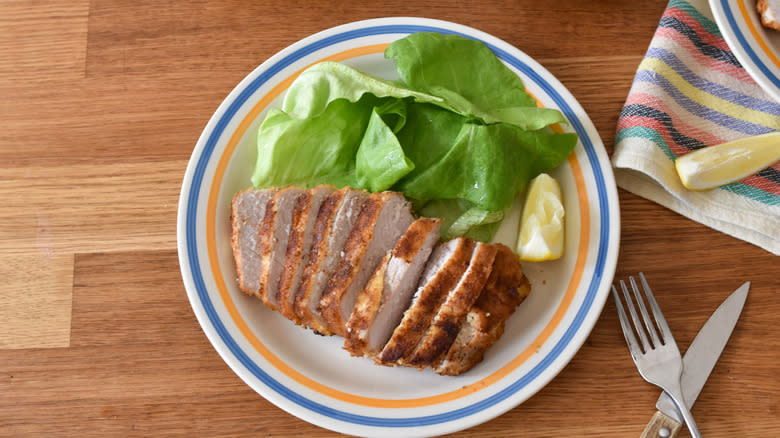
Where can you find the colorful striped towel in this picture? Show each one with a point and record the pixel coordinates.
(690, 92)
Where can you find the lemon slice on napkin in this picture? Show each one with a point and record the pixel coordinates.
(714, 166)
(541, 225)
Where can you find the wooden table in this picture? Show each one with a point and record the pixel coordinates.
(101, 103)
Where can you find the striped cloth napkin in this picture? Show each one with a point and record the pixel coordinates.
(690, 92)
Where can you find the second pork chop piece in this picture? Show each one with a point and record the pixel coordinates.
(380, 305)
(384, 217)
(505, 289)
(333, 225)
(274, 232)
(444, 269)
(447, 322)
(299, 246)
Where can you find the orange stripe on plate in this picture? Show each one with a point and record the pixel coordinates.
(344, 396)
(749, 22)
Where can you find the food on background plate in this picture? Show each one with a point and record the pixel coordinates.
(397, 294)
(768, 11)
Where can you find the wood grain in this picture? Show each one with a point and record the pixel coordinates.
(101, 103)
(25, 304)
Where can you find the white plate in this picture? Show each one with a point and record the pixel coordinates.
(756, 47)
(311, 376)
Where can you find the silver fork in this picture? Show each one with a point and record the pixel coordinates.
(658, 359)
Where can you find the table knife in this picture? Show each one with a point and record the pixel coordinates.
(698, 362)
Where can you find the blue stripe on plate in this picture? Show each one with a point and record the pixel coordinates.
(273, 384)
(730, 17)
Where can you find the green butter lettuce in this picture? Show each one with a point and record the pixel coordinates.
(311, 151)
(381, 160)
(487, 165)
(325, 82)
(458, 134)
(469, 77)
(462, 218)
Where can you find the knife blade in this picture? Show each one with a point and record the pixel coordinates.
(698, 362)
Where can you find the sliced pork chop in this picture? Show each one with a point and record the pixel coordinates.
(247, 213)
(274, 233)
(335, 220)
(380, 305)
(299, 246)
(384, 218)
(446, 324)
(444, 269)
(506, 288)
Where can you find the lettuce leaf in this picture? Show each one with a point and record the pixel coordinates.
(311, 151)
(487, 165)
(380, 160)
(469, 77)
(319, 85)
(461, 218)
(458, 134)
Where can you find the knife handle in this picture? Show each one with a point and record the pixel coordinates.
(661, 426)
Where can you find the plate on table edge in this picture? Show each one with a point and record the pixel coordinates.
(756, 47)
(310, 376)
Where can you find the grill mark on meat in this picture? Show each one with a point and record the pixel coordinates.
(275, 231)
(449, 324)
(382, 220)
(452, 312)
(335, 220)
(428, 298)
(505, 289)
(246, 212)
(291, 256)
(299, 247)
(380, 305)
(321, 227)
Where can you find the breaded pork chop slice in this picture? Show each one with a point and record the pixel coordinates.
(384, 217)
(380, 305)
(334, 222)
(447, 322)
(246, 214)
(506, 288)
(299, 246)
(444, 269)
(274, 232)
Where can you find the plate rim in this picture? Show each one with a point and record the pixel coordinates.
(596, 154)
(741, 33)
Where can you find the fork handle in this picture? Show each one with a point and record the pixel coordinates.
(661, 426)
(677, 397)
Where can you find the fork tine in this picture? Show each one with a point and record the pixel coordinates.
(643, 309)
(637, 323)
(628, 332)
(663, 327)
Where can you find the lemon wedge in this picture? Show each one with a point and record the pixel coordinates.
(541, 225)
(714, 166)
